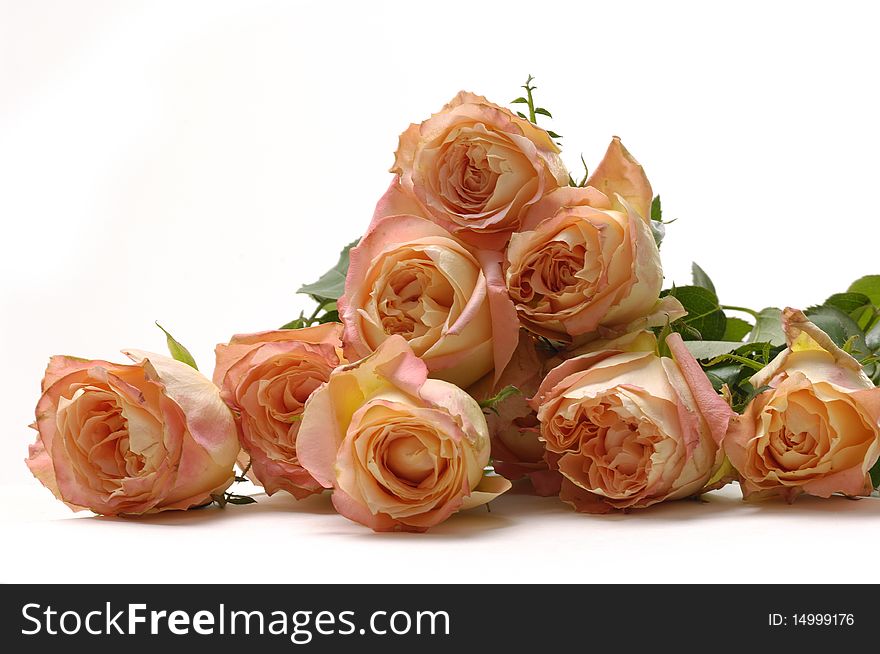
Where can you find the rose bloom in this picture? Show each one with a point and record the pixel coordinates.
(399, 450)
(586, 261)
(266, 379)
(517, 451)
(410, 277)
(131, 439)
(628, 428)
(816, 430)
(474, 167)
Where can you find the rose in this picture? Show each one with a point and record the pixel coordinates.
(474, 167)
(587, 262)
(517, 452)
(130, 439)
(400, 451)
(816, 429)
(266, 379)
(628, 429)
(410, 277)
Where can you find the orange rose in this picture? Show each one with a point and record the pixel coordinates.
(816, 430)
(399, 450)
(266, 378)
(585, 262)
(474, 167)
(130, 439)
(628, 428)
(410, 277)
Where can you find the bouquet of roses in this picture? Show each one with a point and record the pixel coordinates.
(498, 320)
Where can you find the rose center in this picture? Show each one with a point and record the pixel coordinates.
(409, 460)
(102, 435)
(415, 299)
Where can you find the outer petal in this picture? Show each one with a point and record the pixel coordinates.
(228, 354)
(395, 202)
(620, 173)
(505, 324)
(210, 422)
(714, 409)
(488, 489)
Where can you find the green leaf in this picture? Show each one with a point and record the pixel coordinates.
(711, 349)
(840, 327)
(656, 209)
(875, 475)
(177, 351)
(704, 313)
(868, 285)
(297, 323)
(658, 230)
(543, 112)
(329, 316)
(768, 327)
(491, 403)
(728, 373)
(701, 278)
(331, 284)
(522, 115)
(872, 338)
(736, 329)
(749, 394)
(519, 100)
(553, 134)
(848, 302)
(866, 317)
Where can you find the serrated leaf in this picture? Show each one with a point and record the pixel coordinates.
(656, 209)
(543, 112)
(177, 350)
(736, 329)
(711, 349)
(868, 285)
(519, 100)
(848, 302)
(768, 327)
(701, 278)
(704, 313)
(331, 285)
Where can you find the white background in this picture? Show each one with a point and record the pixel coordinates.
(195, 162)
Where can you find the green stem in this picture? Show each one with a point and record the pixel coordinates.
(730, 307)
(315, 313)
(532, 116)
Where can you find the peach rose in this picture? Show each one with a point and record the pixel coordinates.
(130, 439)
(266, 379)
(474, 167)
(410, 277)
(399, 450)
(628, 429)
(517, 451)
(586, 263)
(816, 430)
